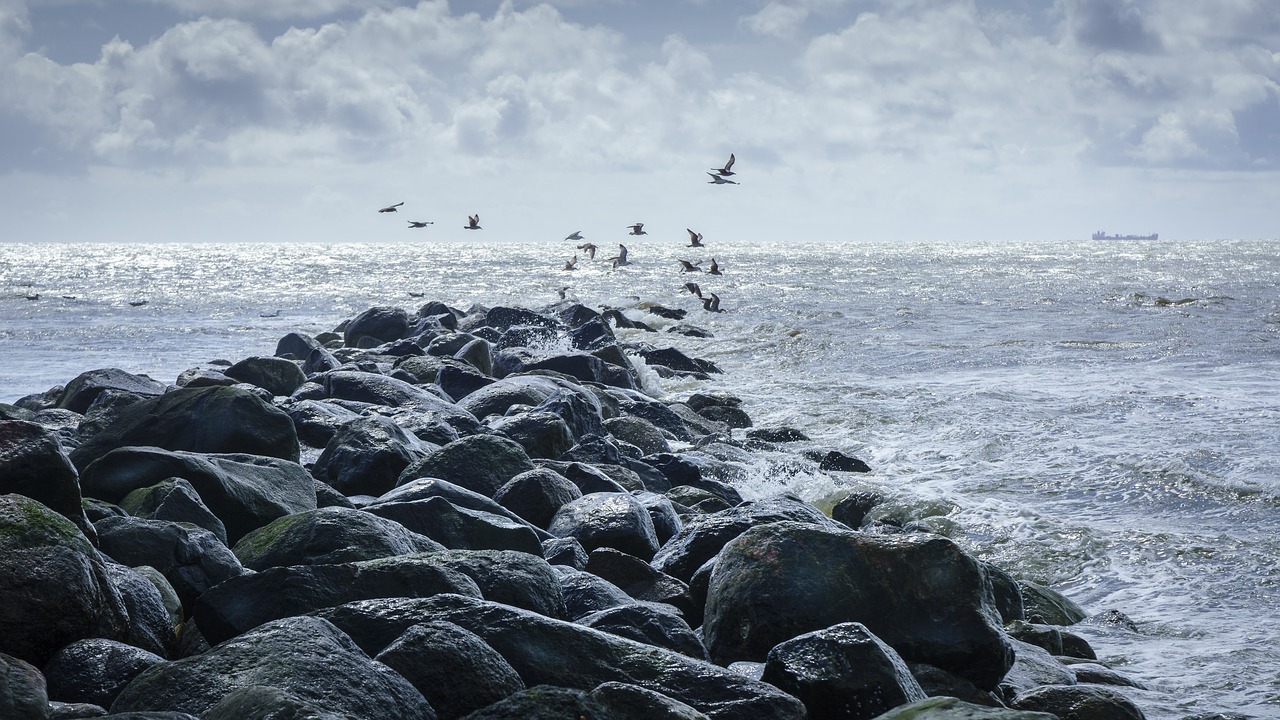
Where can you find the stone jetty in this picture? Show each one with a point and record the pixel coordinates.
(439, 513)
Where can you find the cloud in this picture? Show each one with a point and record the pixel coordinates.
(776, 19)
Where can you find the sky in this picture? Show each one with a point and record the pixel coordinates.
(851, 120)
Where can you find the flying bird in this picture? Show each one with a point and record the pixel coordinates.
(415, 294)
(695, 239)
(686, 266)
(727, 170)
(637, 229)
(563, 292)
(137, 303)
(715, 268)
(473, 222)
(711, 304)
(720, 180)
(575, 236)
(571, 264)
(417, 224)
(621, 258)
(391, 208)
(693, 288)
(589, 249)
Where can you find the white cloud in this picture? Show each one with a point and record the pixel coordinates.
(776, 19)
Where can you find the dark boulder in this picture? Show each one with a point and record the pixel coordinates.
(296, 346)
(624, 701)
(639, 432)
(836, 461)
(192, 559)
(1079, 702)
(544, 702)
(367, 456)
(503, 318)
(615, 520)
(921, 594)
(541, 434)
(429, 487)
(23, 693)
(80, 393)
(498, 397)
(478, 353)
(454, 669)
(460, 528)
(481, 463)
(317, 421)
(585, 593)
(151, 623)
(276, 375)
(579, 409)
(676, 360)
(510, 577)
(666, 521)
(201, 420)
(375, 389)
(638, 579)
(1048, 606)
(935, 681)
(33, 463)
(261, 702)
(95, 670)
(328, 535)
(375, 326)
(536, 495)
(305, 656)
(852, 509)
(776, 435)
(949, 708)
(243, 603)
(245, 492)
(564, 551)
(319, 360)
(175, 500)
(841, 672)
(458, 382)
(650, 624)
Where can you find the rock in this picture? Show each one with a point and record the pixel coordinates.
(174, 500)
(22, 690)
(1050, 606)
(579, 409)
(498, 397)
(261, 702)
(459, 496)
(649, 624)
(776, 435)
(454, 669)
(842, 671)
(243, 603)
(319, 360)
(949, 708)
(696, 500)
(564, 551)
(317, 421)
(245, 492)
(638, 579)
(477, 353)
(80, 393)
(1101, 675)
(624, 701)
(935, 681)
(639, 432)
(481, 463)
(168, 596)
(150, 623)
(585, 593)
(328, 535)
(543, 702)
(547, 651)
(374, 389)
(541, 434)
(536, 495)
(513, 578)
(95, 670)
(921, 594)
(1079, 702)
(192, 559)
(685, 470)
(1004, 588)
(380, 324)
(33, 463)
(460, 528)
(836, 461)
(367, 456)
(734, 417)
(296, 346)
(676, 360)
(276, 375)
(852, 509)
(587, 478)
(615, 520)
(304, 656)
(1033, 666)
(459, 383)
(200, 420)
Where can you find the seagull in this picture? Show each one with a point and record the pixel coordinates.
(415, 294)
(695, 239)
(637, 229)
(590, 249)
(137, 303)
(686, 266)
(711, 304)
(693, 288)
(473, 222)
(727, 170)
(719, 180)
(715, 268)
(417, 224)
(571, 264)
(575, 236)
(563, 292)
(33, 297)
(621, 258)
(68, 297)
(391, 208)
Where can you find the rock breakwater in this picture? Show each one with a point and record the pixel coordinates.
(447, 514)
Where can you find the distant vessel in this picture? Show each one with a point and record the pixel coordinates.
(1101, 235)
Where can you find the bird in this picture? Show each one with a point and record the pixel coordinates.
(575, 235)
(711, 304)
(473, 222)
(36, 296)
(637, 229)
(270, 314)
(589, 249)
(391, 208)
(727, 170)
(415, 294)
(720, 180)
(686, 266)
(695, 239)
(137, 303)
(417, 224)
(571, 264)
(715, 268)
(621, 258)
(693, 288)
(563, 292)
(68, 297)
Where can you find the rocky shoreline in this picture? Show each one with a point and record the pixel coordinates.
(444, 514)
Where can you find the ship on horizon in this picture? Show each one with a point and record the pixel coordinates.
(1102, 235)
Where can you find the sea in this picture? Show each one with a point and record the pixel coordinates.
(1102, 417)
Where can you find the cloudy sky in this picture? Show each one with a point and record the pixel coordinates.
(851, 120)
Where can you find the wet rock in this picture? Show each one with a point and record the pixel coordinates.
(458, 383)
(1079, 702)
(266, 703)
(150, 623)
(460, 528)
(366, 456)
(638, 579)
(853, 508)
(174, 500)
(564, 551)
(543, 702)
(481, 463)
(378, 324)
(836, 461)
(317, 421)
(95, 670)
(615, 520)
(510, 577)
(454, 669)
(276, 375)
(33, 463)
(536, 495)
(541, 434)
(328, 535)
(1049, 606)
(384, 390)
(666, 521)
(949, 708)
(777, 435)
(938, 682)
(639, 432)
(80, 393)
(649, 624)
(192, 559)
(624, 701)
(296, 346)
(22, 690)
(585, 593)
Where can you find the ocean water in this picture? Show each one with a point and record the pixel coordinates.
(1101, 417)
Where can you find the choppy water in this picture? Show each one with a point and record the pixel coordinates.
(1101, 417)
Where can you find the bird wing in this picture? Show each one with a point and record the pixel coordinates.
(729, 164)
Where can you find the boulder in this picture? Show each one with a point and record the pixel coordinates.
(949, 708)
(481, 463)
(379, 324)
(841, 672)
(175, 500)
(328, 535)
(852, 509)
(33, 463)
(460, 528)
(192, 559)
(498, 397)
(651, 624)
(262, 702)
(305, 656)
(641, 581)
(564, 551)
(536, 495)
(585, 593)
(366, 456)
(458, 383)
(624, 701)
(921, 594)
(639, 432)
(245, 492)
(548, 651)
(375, 389)
(424, 488)
(80, 393)
(513, 578)
(477, 353)
(1079, 702)
(243, 603)
(666, 521)
(150, 623)
(200, 420)
(543, 702)
(296, 346)
(541, 434)
(22, 690)
(1047, 606)
(609, 519)
(579, 409)
(276, 375)
(454, 669)
(95, 670)
(317, 421)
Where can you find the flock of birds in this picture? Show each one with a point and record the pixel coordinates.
(710, 300)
